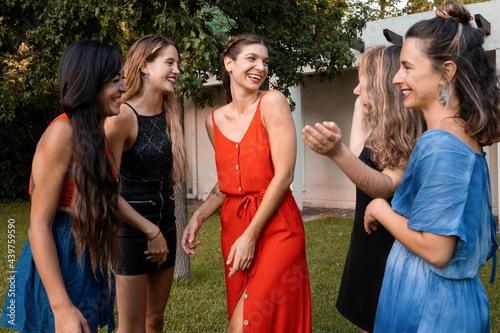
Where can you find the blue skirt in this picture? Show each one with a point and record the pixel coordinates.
(27, 306)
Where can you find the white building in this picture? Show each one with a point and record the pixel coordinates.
(318, 181)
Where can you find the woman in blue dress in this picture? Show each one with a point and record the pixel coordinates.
(441, 215)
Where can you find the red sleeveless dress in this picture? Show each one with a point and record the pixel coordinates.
(277, 297)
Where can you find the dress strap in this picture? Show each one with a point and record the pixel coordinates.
(216, 129)
(130, 106)
(111, 165)
(260, 100)
(61, 116)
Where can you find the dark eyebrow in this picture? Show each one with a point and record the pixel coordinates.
(255, 55)
(405, 62)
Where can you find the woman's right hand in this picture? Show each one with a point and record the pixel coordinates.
(70, 320)
(370, 220)
(157, 248)
(189, 243)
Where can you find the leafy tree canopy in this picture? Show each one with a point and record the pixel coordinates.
(33, 35)
(301, 32)
(315, 33)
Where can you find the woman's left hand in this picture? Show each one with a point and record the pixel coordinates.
(242, 252)
(371, 221)
(157, 249)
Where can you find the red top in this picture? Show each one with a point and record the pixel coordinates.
(68, 188)
(244, 167)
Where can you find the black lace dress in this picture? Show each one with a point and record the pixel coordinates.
(365, 263)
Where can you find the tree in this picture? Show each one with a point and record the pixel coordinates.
(418, 6)
(315, 33)
(381, 9)
(304, 32)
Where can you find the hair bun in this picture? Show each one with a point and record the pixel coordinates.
(456, 12)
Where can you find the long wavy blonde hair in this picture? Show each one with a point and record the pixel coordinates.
(146, 49)
(394, 130)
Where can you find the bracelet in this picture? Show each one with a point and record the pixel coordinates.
(150, 239)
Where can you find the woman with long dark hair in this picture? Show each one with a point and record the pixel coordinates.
(147, 142)
(382, 138)
(61, 278)
(262, 234)
(441, 214)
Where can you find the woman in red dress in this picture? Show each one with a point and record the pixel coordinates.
(262, 238)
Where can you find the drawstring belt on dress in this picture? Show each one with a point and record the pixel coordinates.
(250, 200)
(250, 204)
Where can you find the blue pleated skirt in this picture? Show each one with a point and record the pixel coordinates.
(27, 306)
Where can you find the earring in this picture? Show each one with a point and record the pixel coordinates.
(145, 74)
(443, 94)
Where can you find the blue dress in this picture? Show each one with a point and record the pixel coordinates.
(445, 190)
(27, 306)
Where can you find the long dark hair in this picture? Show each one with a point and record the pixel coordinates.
(232, 50)
(449, 36)
(84, 68)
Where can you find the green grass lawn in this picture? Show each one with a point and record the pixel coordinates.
(199, 305)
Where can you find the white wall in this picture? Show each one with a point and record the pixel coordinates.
(202, 174)
(325, 184)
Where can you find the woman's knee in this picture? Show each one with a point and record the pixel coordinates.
(155, 321)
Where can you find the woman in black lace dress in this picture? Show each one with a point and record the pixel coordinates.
(147, 143)
(382, 138)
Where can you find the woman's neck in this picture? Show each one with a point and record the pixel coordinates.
(147, 103)
(243, 100)
(438, 115)
(447, 119)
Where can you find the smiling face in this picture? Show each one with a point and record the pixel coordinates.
(109, 97)
(163, 71)
(250, 68)
(419, 81)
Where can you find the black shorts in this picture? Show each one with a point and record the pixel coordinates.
(155, 202)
